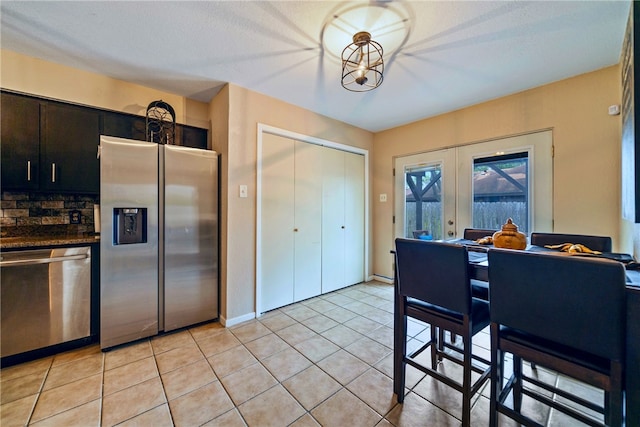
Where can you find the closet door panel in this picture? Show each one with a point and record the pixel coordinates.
(308, 221)
(277, 222)
(333, 226)
(354, 218)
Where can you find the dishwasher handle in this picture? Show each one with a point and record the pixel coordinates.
(17, 262)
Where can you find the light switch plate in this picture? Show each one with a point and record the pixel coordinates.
(243, 191)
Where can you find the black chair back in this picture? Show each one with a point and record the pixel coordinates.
(596, 243)
(573, 301)
(431, 272)
(476, 233)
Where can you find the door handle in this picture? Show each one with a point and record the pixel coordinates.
(53, 172)
(17, 262)
(28, 170)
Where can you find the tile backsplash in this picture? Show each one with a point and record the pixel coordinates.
(31, 210)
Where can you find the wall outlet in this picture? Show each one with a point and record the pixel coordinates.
(383, 197)
(243, 191)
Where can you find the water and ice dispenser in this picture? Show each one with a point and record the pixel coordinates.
(130, 226)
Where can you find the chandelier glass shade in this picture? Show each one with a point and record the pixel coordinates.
(362, 64)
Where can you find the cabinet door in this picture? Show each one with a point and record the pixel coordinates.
(354, 218)
(192, 137)
(333, 225)
(20, 142)
(124, 126)
(70, 140)
(308, 221)
(276, 268)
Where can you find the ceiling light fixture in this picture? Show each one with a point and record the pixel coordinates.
(362, 64)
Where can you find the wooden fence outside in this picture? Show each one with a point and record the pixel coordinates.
(489, 215)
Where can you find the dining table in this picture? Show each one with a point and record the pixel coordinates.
(479, 270)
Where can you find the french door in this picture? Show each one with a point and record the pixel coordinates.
(425, 189)
(476, 186)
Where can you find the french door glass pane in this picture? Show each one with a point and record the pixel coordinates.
(501, 191)
(423, 201)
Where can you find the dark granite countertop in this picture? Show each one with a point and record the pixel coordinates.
(25, 242)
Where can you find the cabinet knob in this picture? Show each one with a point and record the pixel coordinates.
(342, 227)
(295, 230)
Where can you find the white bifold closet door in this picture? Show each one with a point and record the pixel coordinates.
(342, 219)
(291, 221)
(307, 221)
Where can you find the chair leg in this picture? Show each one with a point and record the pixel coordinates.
(400, 367)
(466, 381)
(399, 350)
(495, 377)
(613, 399)
(517, 384)
(434, 347)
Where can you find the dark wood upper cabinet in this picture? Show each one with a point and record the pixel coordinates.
(52, 146)
(70, 136)
(20, 142)
(192, 137)
(124, 125)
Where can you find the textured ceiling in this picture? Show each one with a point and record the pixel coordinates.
(451, 54)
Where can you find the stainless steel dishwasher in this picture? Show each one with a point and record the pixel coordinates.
(45, 298)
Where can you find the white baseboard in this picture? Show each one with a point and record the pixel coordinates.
(227, 323)
(383, 279)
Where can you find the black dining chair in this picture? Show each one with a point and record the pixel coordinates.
(479, 288)
(563, 313)
(433, 286)
(596, 243)
(476, 233)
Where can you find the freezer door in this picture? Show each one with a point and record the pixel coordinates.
(128, 272)
(190, 236)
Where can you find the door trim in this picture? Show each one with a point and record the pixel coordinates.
(263, 128)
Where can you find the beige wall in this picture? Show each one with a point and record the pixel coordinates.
(33, 76)
(586, 191)
(586, 165)
(246, 110)
(219, 113)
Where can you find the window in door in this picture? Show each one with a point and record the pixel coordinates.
(423, 201)
(501, 190)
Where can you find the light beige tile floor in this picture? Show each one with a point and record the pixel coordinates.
(324, 361)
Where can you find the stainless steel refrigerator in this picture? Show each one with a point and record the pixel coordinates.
(159, 238)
